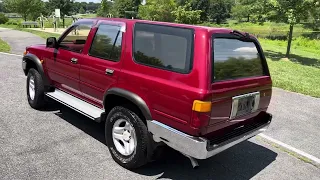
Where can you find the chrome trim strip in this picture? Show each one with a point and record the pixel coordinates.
(196, 147)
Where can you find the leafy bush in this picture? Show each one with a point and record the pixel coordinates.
(3, 19)
(157, 10)
(307, 43)
(16, 23)
(12, 22)
(184, 14)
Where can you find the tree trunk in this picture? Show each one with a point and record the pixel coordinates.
(289, 41)
(218, 20)
(63, 21)
(248, 18)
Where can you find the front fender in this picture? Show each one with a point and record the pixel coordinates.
(134, 98)
(31, 58)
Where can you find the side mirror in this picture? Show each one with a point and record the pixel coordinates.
(51, 42)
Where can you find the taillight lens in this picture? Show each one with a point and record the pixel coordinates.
(201, 111)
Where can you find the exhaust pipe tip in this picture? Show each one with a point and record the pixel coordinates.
(194, 162)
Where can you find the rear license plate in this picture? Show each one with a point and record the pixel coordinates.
(244, 104)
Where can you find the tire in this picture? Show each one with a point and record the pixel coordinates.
(35, 92)
(138, 157)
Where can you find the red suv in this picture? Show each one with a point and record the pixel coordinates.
(198, 90)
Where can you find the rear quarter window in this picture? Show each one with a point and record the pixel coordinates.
(163, 47)
(235, 59)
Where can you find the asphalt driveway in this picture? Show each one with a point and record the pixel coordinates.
(19, 40)
(296, 120)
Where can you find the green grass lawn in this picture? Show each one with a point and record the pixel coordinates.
(300, 73)
(44, 35)
(295, 77)
(4, 47)
(269, 29)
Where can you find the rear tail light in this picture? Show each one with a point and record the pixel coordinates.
(201, 111)
(201, 106)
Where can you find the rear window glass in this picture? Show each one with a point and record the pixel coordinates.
(163, 47)
(234, 59)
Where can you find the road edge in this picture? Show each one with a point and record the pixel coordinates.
(308, 158)
(10, 54)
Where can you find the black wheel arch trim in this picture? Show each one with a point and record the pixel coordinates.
(33, 58)
(134, 98)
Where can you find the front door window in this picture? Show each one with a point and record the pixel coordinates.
(76, 38)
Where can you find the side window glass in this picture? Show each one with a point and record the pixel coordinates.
(163, 47)
(107, 43)
(76, 38)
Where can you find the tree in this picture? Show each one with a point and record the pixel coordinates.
(202, 5)
(84, 5)
(3, 19)
(184, 14)
(93, 7)
(315, 14)
(24, 7)
(104, 9)
(65, 7)
(254, 10)
(82, 11)
(291, 12)
(158, 10)
(125, 8)
(39, 8)
(2, 9)
(182, 2)
(46, 11)
(219, 10)
(76, 7)
(243, 9)
(137, 4)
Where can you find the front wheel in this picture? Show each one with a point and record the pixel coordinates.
(127, 137)
(35, 89)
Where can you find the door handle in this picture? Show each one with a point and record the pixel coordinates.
(109, 71)
(74, 60)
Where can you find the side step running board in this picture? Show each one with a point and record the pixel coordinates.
(77, 104)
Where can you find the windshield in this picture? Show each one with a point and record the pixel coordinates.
(234, 59)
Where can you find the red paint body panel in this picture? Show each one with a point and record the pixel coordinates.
(169, 95)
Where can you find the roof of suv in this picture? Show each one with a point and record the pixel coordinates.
(162, 23)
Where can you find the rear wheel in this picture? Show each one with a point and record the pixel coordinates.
(35, 89)
(127, 137)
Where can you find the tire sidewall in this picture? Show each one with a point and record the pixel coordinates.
(141, 137)
(39, 95)
(31, 74)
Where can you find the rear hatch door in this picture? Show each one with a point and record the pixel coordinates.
(240, 81)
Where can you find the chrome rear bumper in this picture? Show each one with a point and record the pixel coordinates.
(198, 147)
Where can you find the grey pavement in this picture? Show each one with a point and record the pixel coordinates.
(58, 143)
(19, 40)
(296, 120)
